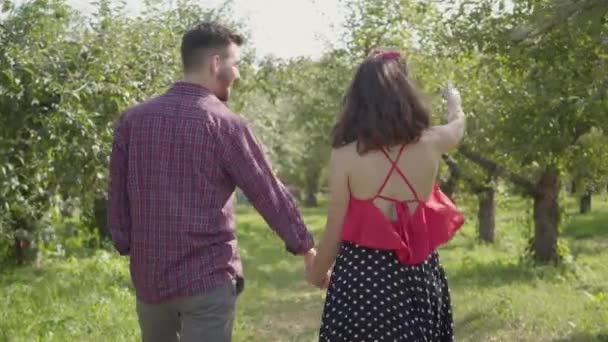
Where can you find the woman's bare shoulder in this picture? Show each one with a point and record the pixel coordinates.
(346, 150)
(344, 156)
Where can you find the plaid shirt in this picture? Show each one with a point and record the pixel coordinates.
(176, 161)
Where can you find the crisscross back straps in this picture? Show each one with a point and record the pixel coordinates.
(395, 167)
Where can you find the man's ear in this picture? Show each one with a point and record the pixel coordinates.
(215, 64)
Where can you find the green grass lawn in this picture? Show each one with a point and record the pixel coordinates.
(496, 296)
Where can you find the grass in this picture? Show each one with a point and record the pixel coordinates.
(497, 295)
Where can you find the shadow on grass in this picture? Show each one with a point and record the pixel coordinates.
(6, 268)
(266, 260)
(587, 226)
(476, 326)
(21, 275)
(491, 274)
(585, 337)
(64, 279)
(588, 233)
(503, 273)
(459, 244)
(589, 247)
(276, 320)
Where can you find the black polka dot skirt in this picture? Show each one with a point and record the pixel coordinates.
(373, 297)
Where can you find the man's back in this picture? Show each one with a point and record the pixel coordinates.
(175, 163)
(178, 155)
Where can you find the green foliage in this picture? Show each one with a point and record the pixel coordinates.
(588, 13)
(546, 84)
(388, 23)
(64, 81)
(293, 111)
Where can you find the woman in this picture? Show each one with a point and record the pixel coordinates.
(387, 283)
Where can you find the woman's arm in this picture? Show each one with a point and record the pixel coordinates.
(329, 244)
(448, 136)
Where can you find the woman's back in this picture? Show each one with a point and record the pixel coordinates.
(368, 173)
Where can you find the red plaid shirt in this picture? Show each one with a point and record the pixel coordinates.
(176, 161)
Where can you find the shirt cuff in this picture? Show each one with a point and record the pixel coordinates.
(307, 242)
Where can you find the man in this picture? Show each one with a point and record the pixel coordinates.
(176, 160)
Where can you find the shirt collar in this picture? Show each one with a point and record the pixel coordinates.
(187, 88)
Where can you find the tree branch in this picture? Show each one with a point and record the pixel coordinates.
(561, 13)
(455, 171)
(495, 169)
(452, 165)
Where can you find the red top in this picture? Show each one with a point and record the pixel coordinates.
(413, 236)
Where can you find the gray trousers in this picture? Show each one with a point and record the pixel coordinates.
(204, 318)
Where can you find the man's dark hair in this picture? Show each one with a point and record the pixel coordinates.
(382, 107)
(203, 38)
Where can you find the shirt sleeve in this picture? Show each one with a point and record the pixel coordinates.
(246, 164)
(119, 218)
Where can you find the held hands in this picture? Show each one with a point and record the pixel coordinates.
(312, 277)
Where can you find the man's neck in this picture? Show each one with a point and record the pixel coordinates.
(199, 81)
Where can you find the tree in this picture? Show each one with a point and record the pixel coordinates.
(38, 57)
(587, 165)
(542, 87)
(592, 15)
(553, 14)
(307, 94)
(485, 190)
(64, 81)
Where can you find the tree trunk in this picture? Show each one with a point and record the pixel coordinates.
(20, 245)
(486, 215)
(572, 187)
(546, 216)
(311, 199)
(585, 202)
(312, 185)
(448, 185)
(24, 250)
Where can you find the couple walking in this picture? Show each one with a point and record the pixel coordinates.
(177, 159)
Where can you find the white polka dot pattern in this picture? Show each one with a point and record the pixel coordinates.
(373, 297)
